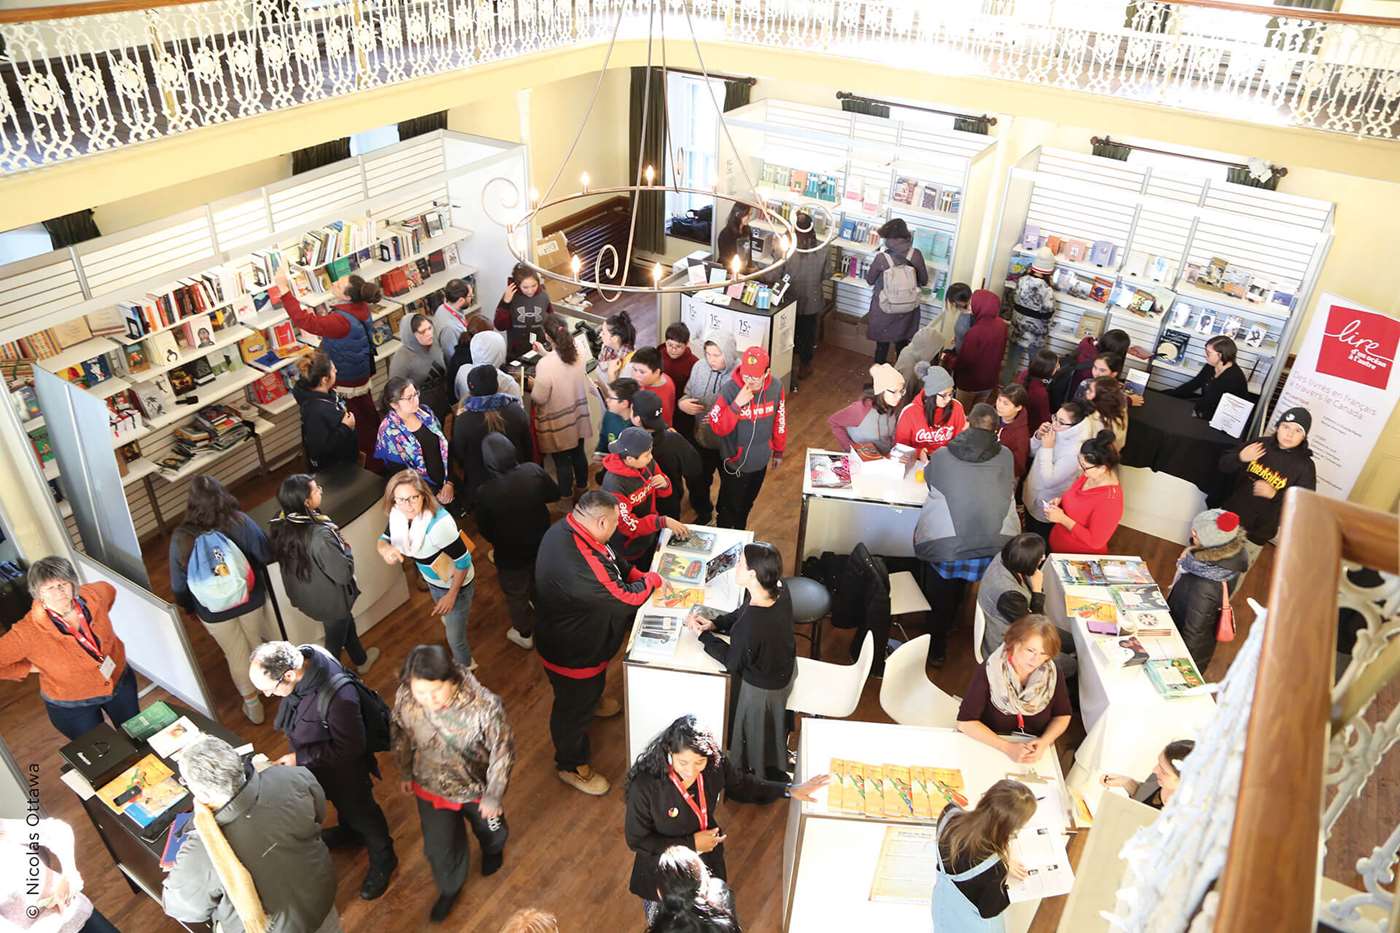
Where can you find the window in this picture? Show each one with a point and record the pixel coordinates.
(23, 242)
(370, 140)
(692, 156)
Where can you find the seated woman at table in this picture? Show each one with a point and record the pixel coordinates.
(760, 656)
(673, 792)
(974, 859)
(1087, 515)
(1108, 408)
(871, 419)
(1219, 375)
(1205, 573)
(1012, 587)
(1164, 780)
(1018, 690)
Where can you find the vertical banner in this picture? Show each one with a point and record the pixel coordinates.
(1344, 375)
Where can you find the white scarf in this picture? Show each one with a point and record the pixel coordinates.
(408, 536)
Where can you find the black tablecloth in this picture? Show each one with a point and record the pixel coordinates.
(1164, 435)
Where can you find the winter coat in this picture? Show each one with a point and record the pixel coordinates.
(470, 429)
(926, 346)
(329, 592)
(1210, 387)
(808, 277)
(752, 435)
(248, 538)
(728, 245)
(1280, 469)
(67, 673)
(344, 333)
(1051, 471)
(913, 430)
(521, 316)
(979, 359)
(1014, 437)
(512, 508)
(273, 826)
(969, 512)
(560, 394)
(704, 384)
(678, 459)
(412, 360)
(327, 440)
(332, 746)
(585, 600)
(460, 753)
(488, 348)
(638, 521)
(890, 328)
(1038, 410)
(449, 324)
(1195, 597)
(861, 422)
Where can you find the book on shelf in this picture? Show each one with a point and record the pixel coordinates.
(1172, 347)
(1175, 677)
(905, 190)
(1090, 325)
(1135, 381)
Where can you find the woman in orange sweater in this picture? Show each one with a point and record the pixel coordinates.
(1087, 515)
(67, 639)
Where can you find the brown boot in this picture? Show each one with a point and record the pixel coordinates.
(586, 780)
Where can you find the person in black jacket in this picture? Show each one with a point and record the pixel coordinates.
(326, 730)
(1206, 572)
(1268, 466)
(586, 598)
(673, 792)
(1218, 376)
(675, 456)
(760, 656)
(327, 425)
(630, 473)
(512, 511)
(486, 410)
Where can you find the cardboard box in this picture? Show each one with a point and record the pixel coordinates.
(552, 253)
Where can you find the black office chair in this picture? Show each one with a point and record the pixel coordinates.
(810, 604)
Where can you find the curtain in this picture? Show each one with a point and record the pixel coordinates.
(304, 160)
(1239, 174)
(867, 107)
(72, 228)
(736, 94)
(1108, 149)
(978, 125)
(651, 206)
(419, 126)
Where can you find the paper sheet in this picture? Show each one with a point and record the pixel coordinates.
(79, 784)
(906, 869)
(1040, 848)
(1232, 415)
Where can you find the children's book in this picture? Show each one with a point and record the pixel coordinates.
(658, 636)
(1124, 571)
(681, 568)
(1081, 572)
(1141, 597)
(1174, 677)
(1098, 614)
(670, 596)
(144, 791)
(699, 542)
(180, 829)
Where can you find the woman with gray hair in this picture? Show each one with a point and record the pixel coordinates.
(68, 640)
(255, 861)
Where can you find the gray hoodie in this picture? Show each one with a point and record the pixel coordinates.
(412, 360)
(970, 512)
(704, 383)
(488, 348)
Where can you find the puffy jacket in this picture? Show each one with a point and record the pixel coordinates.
(344, 334)
(638, 521)
(327, 440)
(969, 513)
(979, 358)
(764, 436)
(512, 508)
(1195, 597)
(586, 597)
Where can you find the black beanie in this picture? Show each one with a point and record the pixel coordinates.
(1299, 416)
(481, 380)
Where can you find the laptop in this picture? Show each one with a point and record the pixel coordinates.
(100, 754)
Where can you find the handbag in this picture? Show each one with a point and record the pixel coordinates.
(1225, 626)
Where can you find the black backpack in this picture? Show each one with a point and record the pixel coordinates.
(373, 710)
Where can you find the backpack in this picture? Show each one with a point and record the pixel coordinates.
(899, 287)
(218, 575)
(373, 710)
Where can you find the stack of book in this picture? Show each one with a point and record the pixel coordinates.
(887, 791)
(216, 427)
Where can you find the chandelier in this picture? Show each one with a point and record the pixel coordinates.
(609, 274)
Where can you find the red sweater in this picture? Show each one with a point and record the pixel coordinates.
(1096, 513)
(913, 429)
(324, 325)
(666, 391)
(678, 368)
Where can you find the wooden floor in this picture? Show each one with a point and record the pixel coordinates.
(567, 853)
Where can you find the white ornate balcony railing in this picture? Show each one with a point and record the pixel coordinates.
(69, 87)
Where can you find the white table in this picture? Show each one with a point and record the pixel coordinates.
(829, 859)
(1126, 721)
(658, 692)
(882, 515)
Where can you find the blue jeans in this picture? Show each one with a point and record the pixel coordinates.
(455, 621)
(73, 721)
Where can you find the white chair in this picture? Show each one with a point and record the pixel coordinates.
(908, 696)
(979, 632)
(831, 690)
(905, 597)
(1159, 504)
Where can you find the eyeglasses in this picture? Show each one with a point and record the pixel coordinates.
(404, 500)
(408, 395)
(1062, 423)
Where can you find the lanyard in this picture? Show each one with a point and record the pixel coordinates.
(702, 812)
(1020, 723)
(83, 634)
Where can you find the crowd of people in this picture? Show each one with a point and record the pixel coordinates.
(1020, 450)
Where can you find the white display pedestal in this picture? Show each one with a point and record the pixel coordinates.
(773, 330)
(656, 693)
(838, 519)
(829, 859)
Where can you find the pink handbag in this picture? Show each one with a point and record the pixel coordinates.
(1225, 627)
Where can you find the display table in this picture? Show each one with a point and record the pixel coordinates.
(351, 496)
(138, 859)
(1126, 721)
(658, 692)
(882, 516)
(829, 858)
(1164, 435)
(772, 329)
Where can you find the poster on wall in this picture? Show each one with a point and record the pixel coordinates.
(1345, 376)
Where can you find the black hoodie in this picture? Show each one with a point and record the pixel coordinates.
(328, 442)
(1280, 469)
(680, 461)
(512, 508)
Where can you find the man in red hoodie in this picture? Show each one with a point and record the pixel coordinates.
(979, 360)
(632, 477)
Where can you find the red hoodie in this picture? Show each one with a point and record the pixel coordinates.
(638, 522)
(979, 360)
(1016, 438)
(913, 429)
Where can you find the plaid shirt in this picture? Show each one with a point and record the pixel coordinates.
(969, 570)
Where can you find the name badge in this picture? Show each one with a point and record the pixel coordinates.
(107, 667)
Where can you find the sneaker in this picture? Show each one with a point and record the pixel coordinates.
(472, 666)
(341, 837)
(585, 779)
(443, 906)
(491, 862)
(377, 880)
(252, 708)
(371, 655)
(521, 641)
(607, 708)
